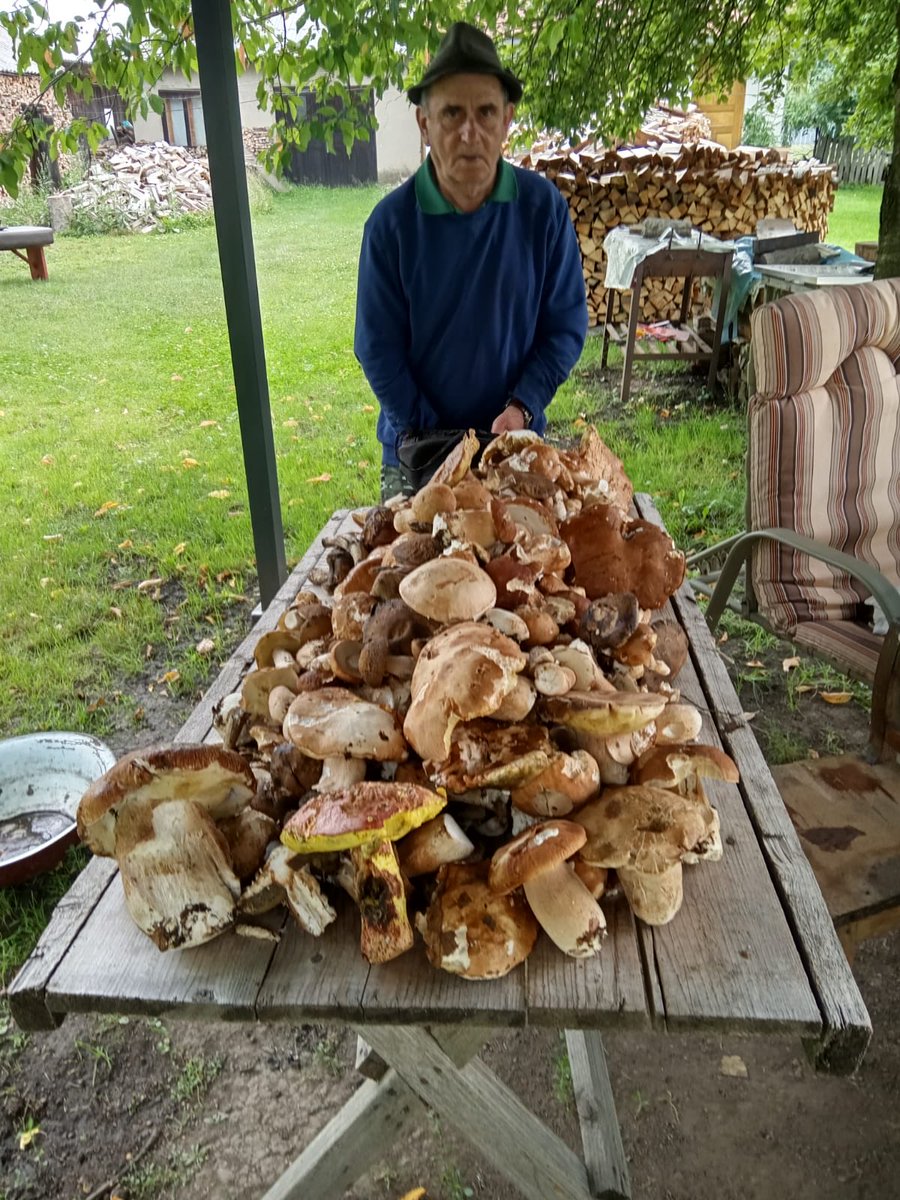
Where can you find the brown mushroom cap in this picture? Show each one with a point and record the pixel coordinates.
(485, 755)
(449, 589)
(463, 673)
(669, 766)
(364, 814)
(332, 722)
(613, 554)
(217, 779)
(647, 828)
(454, 467)
(471, 931)
(537, 849)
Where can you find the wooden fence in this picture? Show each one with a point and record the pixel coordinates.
(853, 164)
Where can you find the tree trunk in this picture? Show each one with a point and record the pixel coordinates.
(888, 263)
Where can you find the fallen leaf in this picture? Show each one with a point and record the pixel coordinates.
(723, 637)
(53, 537)
(223, 575)
(836, 697)
(46, 581)
(812, 753)
(187, 463)
(754, 662)
(208, 424)
(28, 1136)
(222, 494)
(147, 585)
(107, 507)
(177, 378)
(367, 408)
(169, 677)
(126, 545)
(733, 1064)
(205, 646)
(748, 716)
(579, 423)
(48, 460)
(363, 464)
(290, 423)
(323, 478)
(788, 664)
(416, 1194)
(100, 702)
(116, 612)
(805, 687)
(138, 714)
(180, 548)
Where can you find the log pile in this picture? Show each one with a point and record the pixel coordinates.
(145, 182)
(663, 124)
(723, 192)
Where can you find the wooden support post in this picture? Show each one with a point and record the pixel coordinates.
(37, 261)
(633, 318)
(604, 1154)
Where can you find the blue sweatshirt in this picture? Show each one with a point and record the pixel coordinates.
(458, 312)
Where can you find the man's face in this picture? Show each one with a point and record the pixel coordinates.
(465, 121)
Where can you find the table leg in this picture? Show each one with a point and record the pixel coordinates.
(37, 260)
(631, 338)
(361, 1134)
(487, 1113)
(604, 1154)
(610, 296)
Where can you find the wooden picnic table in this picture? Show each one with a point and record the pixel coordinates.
(32, 239)
(753, 950)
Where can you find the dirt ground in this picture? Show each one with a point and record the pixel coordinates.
(140, 1109)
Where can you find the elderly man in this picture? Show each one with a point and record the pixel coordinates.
(471, 303)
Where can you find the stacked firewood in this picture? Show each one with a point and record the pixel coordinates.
(146, 182)
(664, 124)
(722, 192)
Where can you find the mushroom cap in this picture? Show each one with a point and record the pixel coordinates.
(668, 766)
(594, 463)
(463, 673)
(568, 781)
(613, 554)
(472, 931)
(332, 722)
(603, 712)
(449, 589)
(365, 814)
(215, 778)
(454, 467)
(537, 849)
(647, 828)
(485, 755)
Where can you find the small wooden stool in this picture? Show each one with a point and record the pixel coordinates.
(32, 239)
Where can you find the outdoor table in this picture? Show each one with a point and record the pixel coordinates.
(32, 239)
(753, 950)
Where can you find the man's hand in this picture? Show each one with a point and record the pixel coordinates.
(512, 417)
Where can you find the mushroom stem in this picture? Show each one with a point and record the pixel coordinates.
(566, 911)
(433, 844)
(381, 897)
(655, 898)
(340, 773)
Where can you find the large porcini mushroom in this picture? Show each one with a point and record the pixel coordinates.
(248, 833)
(217, 779)
(463, 673)
(598, 472)
(644, 833)
(448, 590)
(344, 731)
(364, 814)
(176, 873)
(612, 554)
(386, 932)
(485, 755)
(472, 931)
(536, 861)
(603, 712)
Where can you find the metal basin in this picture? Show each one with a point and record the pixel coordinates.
(42, 778)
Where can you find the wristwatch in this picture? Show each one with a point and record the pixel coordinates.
(526, 414)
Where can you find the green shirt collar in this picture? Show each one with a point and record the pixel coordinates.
(434, 204)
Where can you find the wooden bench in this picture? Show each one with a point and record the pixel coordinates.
(753, 950)
(32, 239)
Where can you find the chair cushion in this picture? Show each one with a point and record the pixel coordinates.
(849, 643)
(825, 461)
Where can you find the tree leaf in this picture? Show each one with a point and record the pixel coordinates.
(790, 664)
(323, 478)
(836, 697)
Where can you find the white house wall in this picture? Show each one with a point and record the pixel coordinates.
(397, 139)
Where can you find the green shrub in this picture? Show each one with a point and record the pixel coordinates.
(98, 218)
(758, 129)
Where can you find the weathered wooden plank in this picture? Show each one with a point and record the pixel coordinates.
(847, 814)
(361, 1134)
(846, 1025)
(606, 991)
(412, 992)
(486, 1113)
(604, 1154)
(27, 992)
(316, 978)
(113, 967)
(729, 958)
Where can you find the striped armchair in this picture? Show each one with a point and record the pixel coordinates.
(824, 475)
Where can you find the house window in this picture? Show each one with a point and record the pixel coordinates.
(183, 119)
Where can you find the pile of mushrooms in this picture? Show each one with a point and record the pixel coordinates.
(467, 723)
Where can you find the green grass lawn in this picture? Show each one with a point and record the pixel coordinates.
(855, 215)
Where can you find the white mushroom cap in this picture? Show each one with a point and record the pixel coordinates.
(332, 722)
(448, 590)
